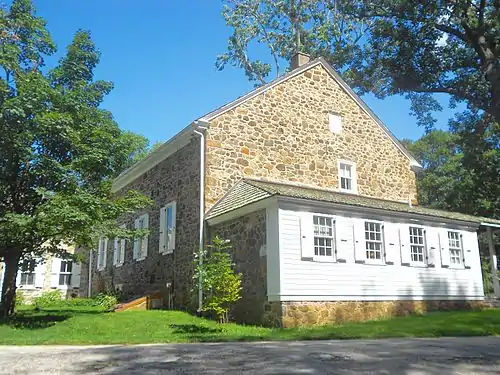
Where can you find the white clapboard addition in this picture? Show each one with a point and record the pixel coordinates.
(303, 278)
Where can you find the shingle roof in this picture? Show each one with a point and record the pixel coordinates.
(248, 191)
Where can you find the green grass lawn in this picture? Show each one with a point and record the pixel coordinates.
(93, 326)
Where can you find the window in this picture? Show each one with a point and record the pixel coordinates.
(373, 241)
(167, 228)
(335, 123)
(101, 253)
(323, 236)
(27, 273)
(119, 250)
(141, 243)
(417, 245)
(455, 246)
(347, 177)
(65, 273)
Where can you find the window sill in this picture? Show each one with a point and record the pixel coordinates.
(354, 192)
(118, 265)
(166, 252)
(28, 287)
(140, 259)
(374, 263)
(417, 265)
(101, 269)
(323, 259)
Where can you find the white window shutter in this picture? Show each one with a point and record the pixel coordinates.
(405, 252)
(359, 242)
(145, 239)
(432, 246)
(171, 246)
(469, 246)
(392, 243)
(105, 257)
(345, 239)
(163, 229)
(56, 268)
(76, 271)
(444, 247)
(116, 249)
(39, 275)
(18, 276)
(123, 241)
(307, 236)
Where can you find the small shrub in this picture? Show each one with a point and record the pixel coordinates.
(106, 301)
(20, 298)
(52, 298)
(221, 284)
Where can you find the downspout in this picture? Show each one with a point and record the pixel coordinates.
(201, 126)
(89, 292)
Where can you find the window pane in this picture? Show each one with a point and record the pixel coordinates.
(323, 235)
(65, 279)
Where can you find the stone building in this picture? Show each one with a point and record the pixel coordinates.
(319, 200)
(49, 273)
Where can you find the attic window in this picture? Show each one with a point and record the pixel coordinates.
(335, 123)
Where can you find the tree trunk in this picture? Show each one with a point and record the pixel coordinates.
(8, 301)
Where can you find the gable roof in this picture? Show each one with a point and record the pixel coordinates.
(248, 191)
(319, 61)
(180, 139)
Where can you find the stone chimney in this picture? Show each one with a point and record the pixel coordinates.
(300, 59)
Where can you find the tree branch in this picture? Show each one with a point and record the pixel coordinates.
(452, 31)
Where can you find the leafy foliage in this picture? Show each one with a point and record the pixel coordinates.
(54, 299)
(388, 47)
(50, 298)
(220, 283)
(59, 150)
(106, 301)
(461, 167)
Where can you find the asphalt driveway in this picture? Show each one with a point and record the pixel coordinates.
(478, 355)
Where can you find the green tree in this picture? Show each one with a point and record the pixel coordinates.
(461, 167)
(388, 47)
(59, 151)
(220, 283)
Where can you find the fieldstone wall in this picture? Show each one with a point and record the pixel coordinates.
(248, 239)
(174, 179)
(298, 314)
(283, 135)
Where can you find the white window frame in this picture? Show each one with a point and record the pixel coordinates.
(423, 245)
(167, 240)
(368, 260)
(142, 222)
(66, 273)
(102, 253)
(460, 248)
(324, 258)
(119, 250)
(33, 272)
(353, 178)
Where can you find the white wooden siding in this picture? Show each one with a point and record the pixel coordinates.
(304, 280)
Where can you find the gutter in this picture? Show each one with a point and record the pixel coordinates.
(200, 126)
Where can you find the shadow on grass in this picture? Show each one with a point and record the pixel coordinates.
(22, 321)
(193, 329)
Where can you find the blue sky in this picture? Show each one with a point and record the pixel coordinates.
(160, 54)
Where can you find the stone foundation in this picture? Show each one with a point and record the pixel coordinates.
(298, 314)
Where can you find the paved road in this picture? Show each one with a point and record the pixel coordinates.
(402, 356)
